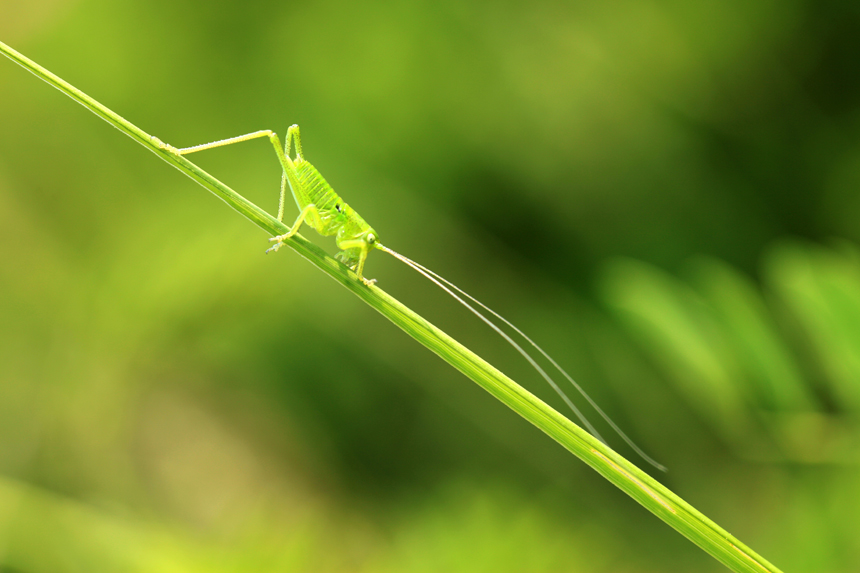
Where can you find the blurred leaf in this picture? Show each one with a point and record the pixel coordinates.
(822, 288)
(723, 348)
(774, 375)
(682, 332)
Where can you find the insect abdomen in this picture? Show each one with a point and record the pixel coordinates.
(316, 189)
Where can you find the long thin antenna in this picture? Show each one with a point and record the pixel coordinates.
(439, 280)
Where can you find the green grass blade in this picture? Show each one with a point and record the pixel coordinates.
(636, 483)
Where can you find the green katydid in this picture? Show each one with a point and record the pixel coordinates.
(322, 209)
(319, 206)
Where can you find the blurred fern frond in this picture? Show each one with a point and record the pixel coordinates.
(774, 368)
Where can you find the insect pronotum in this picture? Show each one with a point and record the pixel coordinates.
(323, 209)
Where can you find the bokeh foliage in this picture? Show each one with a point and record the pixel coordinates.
(664, 194)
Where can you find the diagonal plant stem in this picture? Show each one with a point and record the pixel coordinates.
(626, 476)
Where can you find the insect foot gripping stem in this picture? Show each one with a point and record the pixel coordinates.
(354, 259)
(279, 240)
(274, 248)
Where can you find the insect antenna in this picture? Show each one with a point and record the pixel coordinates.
(444, 283)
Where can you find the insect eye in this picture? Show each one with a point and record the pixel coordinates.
(371, 238)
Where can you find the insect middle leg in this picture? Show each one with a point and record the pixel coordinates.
(310, 211)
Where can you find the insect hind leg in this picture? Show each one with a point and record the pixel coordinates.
(222, 142)
(289, 170)
(294, 138)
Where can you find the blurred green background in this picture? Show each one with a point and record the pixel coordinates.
(664, 194)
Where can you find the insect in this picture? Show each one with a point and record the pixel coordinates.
(319, 206)
(322, 209)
